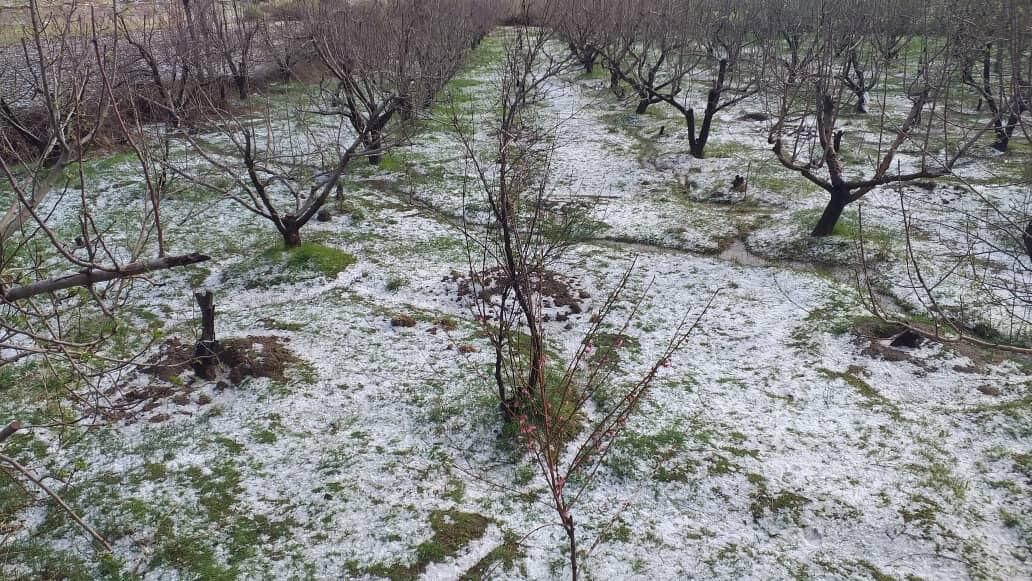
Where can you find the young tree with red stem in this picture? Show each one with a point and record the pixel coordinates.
(552, 407)
(514, 179)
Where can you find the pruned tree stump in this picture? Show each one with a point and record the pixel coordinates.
(206, 359)
(908, 339)
(739, 185)
(206, 351)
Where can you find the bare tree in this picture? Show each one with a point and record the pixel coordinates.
(235, 27)
(50, 285)
(281, 166)
(62, 109)
(660, 47)
(368, 48)
(986, 253)
(190, 52)
(512, 250)
(380, 59)
(568, 443)
(648, 49)
(514, 181)
(582, 24)
(997, 63)
(736, 72)
(870, 47)
(806, 137)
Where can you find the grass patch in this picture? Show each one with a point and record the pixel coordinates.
(777, 183)
(325, 259)
(395, 283)
(921, 512)
(848, 227)
(503, 555)
(188, 544)
(490, 51)
(452, 530)
(870, 395)
(631, 450)
(727, 149)
(937, 469)
(608, 347)
(785, 503)
(835, 315)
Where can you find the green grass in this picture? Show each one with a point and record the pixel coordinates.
(937, 469)
(187, 543)
(452, 530)
(503, 555)
(489, 52)
(608, 347)
(206, 533)
(781, 183)
(921, 511)
(393, 162)
(836, 315)
(634, 453)
(871, 396)
(784, 503)
(727, 149)
(847, 227)
(312, 256)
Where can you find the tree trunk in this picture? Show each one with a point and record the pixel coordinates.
(373, 147)
(243, 88)
(643, 106)
(832, 212)
(537, 356)
(206, 302)
(1002, 143)
(42, 182)
(587, 59)
(9, 431)
(614, 83)
(291, 231)
(406, 108)
(206, 351)
(571, 533)
(861, 102)
(1004, 132)
(1026, 238)
(698, 143)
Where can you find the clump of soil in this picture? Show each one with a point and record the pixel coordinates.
(238, 358)
(878, 337)
(403, 321)
(561, 296)
(896, 343)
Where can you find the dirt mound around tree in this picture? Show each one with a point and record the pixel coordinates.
(178, 390)
(237, 358)
(560, 296)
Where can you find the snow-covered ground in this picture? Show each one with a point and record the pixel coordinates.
(778, 443)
